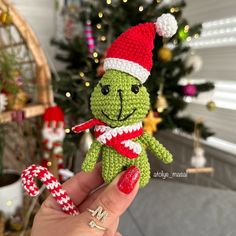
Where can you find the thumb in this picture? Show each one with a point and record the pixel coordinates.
(115, 199)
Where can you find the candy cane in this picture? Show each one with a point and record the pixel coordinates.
(51, 184)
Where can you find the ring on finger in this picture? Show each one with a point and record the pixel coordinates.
(100, 214)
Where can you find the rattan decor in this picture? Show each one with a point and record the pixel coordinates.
(24, 42)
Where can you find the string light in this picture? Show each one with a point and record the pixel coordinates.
(81, 73)
(125, 1)
(174, 9)
(87, 84)
(140, 8)
(196, 36)
(49, 163)
(103, 38)
(188, 38)
(67, 130)
(68, 94)
(96, 60)
(95, 54)
(99, 26)
(108, 2)
(100, 14)
(158, 1)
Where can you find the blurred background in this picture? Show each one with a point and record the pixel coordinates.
(51, 57)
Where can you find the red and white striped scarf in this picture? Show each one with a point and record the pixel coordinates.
(119, 138)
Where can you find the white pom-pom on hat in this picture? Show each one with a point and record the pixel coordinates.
(166, 25)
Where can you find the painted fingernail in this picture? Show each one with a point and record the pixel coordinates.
(128, 180)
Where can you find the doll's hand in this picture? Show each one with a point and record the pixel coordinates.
(50, 220)
(168, 160)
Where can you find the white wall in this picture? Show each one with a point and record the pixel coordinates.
(40, 16)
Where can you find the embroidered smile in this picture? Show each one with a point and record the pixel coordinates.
(123, 119)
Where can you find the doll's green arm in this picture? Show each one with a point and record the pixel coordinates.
(91, 156)
(156, 148)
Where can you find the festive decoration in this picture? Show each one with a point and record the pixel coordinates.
(89, 36)
(161, 103)
(189, 90)
(86, 141)
(53, 135)
(52, 185)
(198, 159)
(123, 56)
(17, 101)
(164, 54)
(3, 102)
(211, 106)
(183, 33)
(119, 103)
(151, 122)
(194, 63)
(6, 18)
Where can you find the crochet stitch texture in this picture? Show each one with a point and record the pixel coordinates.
(122, 107)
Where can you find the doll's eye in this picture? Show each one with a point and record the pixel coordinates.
(105, 89)
(135, 88)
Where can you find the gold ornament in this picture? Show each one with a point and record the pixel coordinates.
(211, 106)
(17, 101)
(161, 103)
(151, 122)
(6, 18)
(164, 54)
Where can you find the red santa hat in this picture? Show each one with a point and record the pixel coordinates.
(54, 114)
(131, 52)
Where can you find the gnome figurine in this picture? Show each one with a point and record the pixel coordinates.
(53, 135)
(120, 102)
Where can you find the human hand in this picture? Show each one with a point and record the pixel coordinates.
(87, 192)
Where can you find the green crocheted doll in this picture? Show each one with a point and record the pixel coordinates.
(120, 102)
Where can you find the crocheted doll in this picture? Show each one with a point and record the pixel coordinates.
(53, 135)
(120, 102)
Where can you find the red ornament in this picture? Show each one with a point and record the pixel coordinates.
(189, 90)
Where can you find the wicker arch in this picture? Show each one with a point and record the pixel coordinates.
(42, 71)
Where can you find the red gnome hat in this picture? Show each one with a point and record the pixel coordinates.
(131, 52)
(54, 115)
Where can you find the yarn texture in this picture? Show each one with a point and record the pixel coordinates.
(119, 103)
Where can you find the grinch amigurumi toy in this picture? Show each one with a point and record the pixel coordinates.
(120, 102)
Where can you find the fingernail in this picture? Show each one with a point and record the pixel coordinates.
(128, 180)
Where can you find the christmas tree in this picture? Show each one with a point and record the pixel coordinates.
(91, 26)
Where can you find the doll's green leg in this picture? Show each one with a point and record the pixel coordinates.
(144, 167)
(112, 166)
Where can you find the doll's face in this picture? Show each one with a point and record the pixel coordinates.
(119, 99)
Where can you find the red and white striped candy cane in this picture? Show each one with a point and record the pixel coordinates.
(51, 184)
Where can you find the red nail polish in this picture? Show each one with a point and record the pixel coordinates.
(128, 180)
